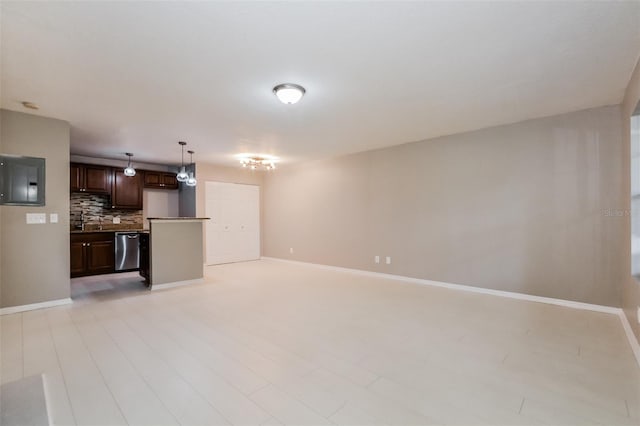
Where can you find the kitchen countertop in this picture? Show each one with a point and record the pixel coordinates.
(78, 231)
(178, 218)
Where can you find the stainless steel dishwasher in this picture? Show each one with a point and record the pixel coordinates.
(127, 251)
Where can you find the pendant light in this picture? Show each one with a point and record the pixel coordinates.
(182, 175)
(129, 171)
(191, 181)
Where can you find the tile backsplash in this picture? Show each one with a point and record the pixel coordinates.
(99, 206)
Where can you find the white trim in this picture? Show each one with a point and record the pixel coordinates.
(22, 308)
(635, 347)
(47, 397)
(176, 284)
(461, 287)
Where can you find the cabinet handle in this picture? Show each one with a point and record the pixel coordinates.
(88, 244)
(84, 244)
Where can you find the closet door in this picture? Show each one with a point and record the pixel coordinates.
(233, 232)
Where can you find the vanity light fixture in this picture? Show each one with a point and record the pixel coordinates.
(191, 181)
(289, 93)
(129, 170)
(182, 175)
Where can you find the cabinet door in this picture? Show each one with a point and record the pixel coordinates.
(97, 179)
(169, 181)
(100, 257)
(127, 191)
(76, 178)
(160, 180)
(77, 259)
(152, 179)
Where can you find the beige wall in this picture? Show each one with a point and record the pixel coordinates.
(34, 261)
(516, 207)
(159, 203)
(630, 286)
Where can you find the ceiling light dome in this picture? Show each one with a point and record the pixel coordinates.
(289, 93)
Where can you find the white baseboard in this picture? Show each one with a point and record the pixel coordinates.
(500, 293)
(47, 397)
(22, 308)
(176, 284)
(462, 287)
(635, 346)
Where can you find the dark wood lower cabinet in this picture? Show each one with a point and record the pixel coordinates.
(101, 257)
(77, 258)
(92, 253)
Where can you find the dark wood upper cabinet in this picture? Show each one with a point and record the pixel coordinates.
(160, 180)
(126, 192)
(76, 183)
(97, 179)
(90, 178)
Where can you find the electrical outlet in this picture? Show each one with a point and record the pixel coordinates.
(53, 218)
(376, 259)
(388, 260)
(116, 220)
(291, 250)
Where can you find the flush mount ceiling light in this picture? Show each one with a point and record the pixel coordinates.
(258, 162)
(182, 175)
(191, 181)
(289, 93)
(129, 170)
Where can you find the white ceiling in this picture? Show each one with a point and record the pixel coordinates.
(140, 76)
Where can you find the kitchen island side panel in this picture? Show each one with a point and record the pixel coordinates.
(176, 251)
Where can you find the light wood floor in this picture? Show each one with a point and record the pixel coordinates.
(273, 343)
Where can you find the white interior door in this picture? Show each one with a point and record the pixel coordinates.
(233, 232)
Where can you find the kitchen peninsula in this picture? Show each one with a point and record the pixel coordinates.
(171, 254)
